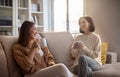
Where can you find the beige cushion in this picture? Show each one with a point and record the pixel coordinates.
(108, 70)
(3, 63)
(60, 44)
(7, 42)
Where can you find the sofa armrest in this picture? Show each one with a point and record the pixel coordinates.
(57, 70)
(111, 57)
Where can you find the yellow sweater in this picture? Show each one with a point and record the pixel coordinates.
(39, 62)
(91, 48)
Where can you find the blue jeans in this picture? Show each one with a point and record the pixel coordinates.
(86, 66)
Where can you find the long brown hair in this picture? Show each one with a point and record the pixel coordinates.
(90, 21)
(24, 33)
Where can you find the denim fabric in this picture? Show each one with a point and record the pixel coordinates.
(86, 66)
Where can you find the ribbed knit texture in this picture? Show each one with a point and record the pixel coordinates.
(91, 48)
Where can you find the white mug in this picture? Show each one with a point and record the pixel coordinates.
(44, 42)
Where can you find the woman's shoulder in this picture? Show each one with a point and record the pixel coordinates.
(17, 46)
(95, 35)
(19, 49)
(78, 36)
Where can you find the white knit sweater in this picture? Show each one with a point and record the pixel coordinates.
(91, 48)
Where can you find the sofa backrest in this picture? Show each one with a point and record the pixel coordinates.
(3, 63)
(60, 44)
(7, 42)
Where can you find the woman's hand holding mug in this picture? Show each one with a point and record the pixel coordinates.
(78, 45)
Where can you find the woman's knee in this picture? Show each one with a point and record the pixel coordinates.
(61, 66)
(64, 70)
(82, 58)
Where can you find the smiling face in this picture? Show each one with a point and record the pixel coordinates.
(84, 25)
(33, 32)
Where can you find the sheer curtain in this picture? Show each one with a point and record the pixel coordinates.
(67, 14)
(60, 10)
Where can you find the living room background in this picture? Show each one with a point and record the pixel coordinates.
(49, 15)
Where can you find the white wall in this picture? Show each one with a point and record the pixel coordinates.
(106, 15)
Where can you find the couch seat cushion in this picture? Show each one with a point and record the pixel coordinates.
(108, 70)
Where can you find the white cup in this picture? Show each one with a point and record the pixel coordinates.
(44, 42)
(38, 37)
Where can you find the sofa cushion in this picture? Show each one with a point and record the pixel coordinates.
(7, 42)
(108, 70)
(104, 52)
(60, 44)
(3, 63)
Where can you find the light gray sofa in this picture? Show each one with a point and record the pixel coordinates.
(59, 44)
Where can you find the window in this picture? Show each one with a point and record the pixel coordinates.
(60, 10)
(67, 14)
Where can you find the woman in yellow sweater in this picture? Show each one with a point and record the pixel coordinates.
(86, 49)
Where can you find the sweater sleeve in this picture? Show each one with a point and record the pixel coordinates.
(96, 51)
(22, 59)
(74, 52)
(48, 57)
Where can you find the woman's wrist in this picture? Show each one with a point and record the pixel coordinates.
(31, 54)
(44, 47)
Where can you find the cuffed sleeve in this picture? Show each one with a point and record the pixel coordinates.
(74, 53)
(22, 59)
(48, 57)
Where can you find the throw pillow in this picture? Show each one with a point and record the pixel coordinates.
(104, 51)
